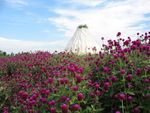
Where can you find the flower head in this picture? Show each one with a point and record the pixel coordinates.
(80, 96)
(64, 108)
(76, 107)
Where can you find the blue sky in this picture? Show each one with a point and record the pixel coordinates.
(49, 24)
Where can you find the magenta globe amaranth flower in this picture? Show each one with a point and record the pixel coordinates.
(106, 85)
(129, 77)
(76, 107)
(80, 96)
(52, 103)
(52, 110)
(25, 95)
(64, 108)
(136, 110)
(106, 69)
(138, 71)
(92, 95)
(78, 78)
(118, 34)
(97, 85)
(68, 99)
(32, 102)
(122, 96)
(98, 92)
(113, 78)
(130, 98)
(123, 71)
(117, 112)
(75, 88)
(50, 80)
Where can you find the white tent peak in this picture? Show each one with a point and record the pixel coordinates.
(82, 42)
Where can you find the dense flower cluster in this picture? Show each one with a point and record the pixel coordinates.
(114, 81)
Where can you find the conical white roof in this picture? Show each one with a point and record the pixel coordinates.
(81, 42)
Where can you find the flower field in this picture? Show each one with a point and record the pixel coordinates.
(116, 80)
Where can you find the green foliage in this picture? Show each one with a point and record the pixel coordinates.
(82, 26)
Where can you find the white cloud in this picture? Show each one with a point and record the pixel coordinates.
(85, 2)
(11, 45)
(20, 2)
(105, 21)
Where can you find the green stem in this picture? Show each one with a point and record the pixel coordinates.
(122, 106)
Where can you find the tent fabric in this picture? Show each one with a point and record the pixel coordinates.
(82, 43)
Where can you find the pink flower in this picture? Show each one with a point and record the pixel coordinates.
(76, 107)
(78, 78)
(52, 103)
(80, 96)
(92, 95)
(52, 110)
(130, 98)
(138, 71)
(129, 78)
(32, 102)
(117, 112)
(75, 88)
(106, 69)
(118, 34)
(123, 71)
(137, 110)
(122, 96)
(98, 92)
(68, 99)
(97, 85)
(113, 78)
(25, 95)
(64, 108)
(50, 80)
(106, 85)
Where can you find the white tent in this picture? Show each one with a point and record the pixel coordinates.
(82, 43)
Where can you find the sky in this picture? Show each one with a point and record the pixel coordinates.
(48, 25)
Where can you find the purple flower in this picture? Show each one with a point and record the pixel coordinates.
(122, 96)
(138, 71)
(92, 95)
(76, 107)
(32, 102)
(106, 85)
(106, 69)
(75, 88)
(123, 71)
(78, 78)
(129, 78)
(68, 99)
(25, 94)
(117, 112)
(136, 110)
(118, 34)
(64, 108)
(52, 103)
(98, 92)
(80, 96)
(130, 98)
(52, 110)
(113, 78)
(97, 85)
(50, 80)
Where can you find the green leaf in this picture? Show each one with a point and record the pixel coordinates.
(130, 93)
